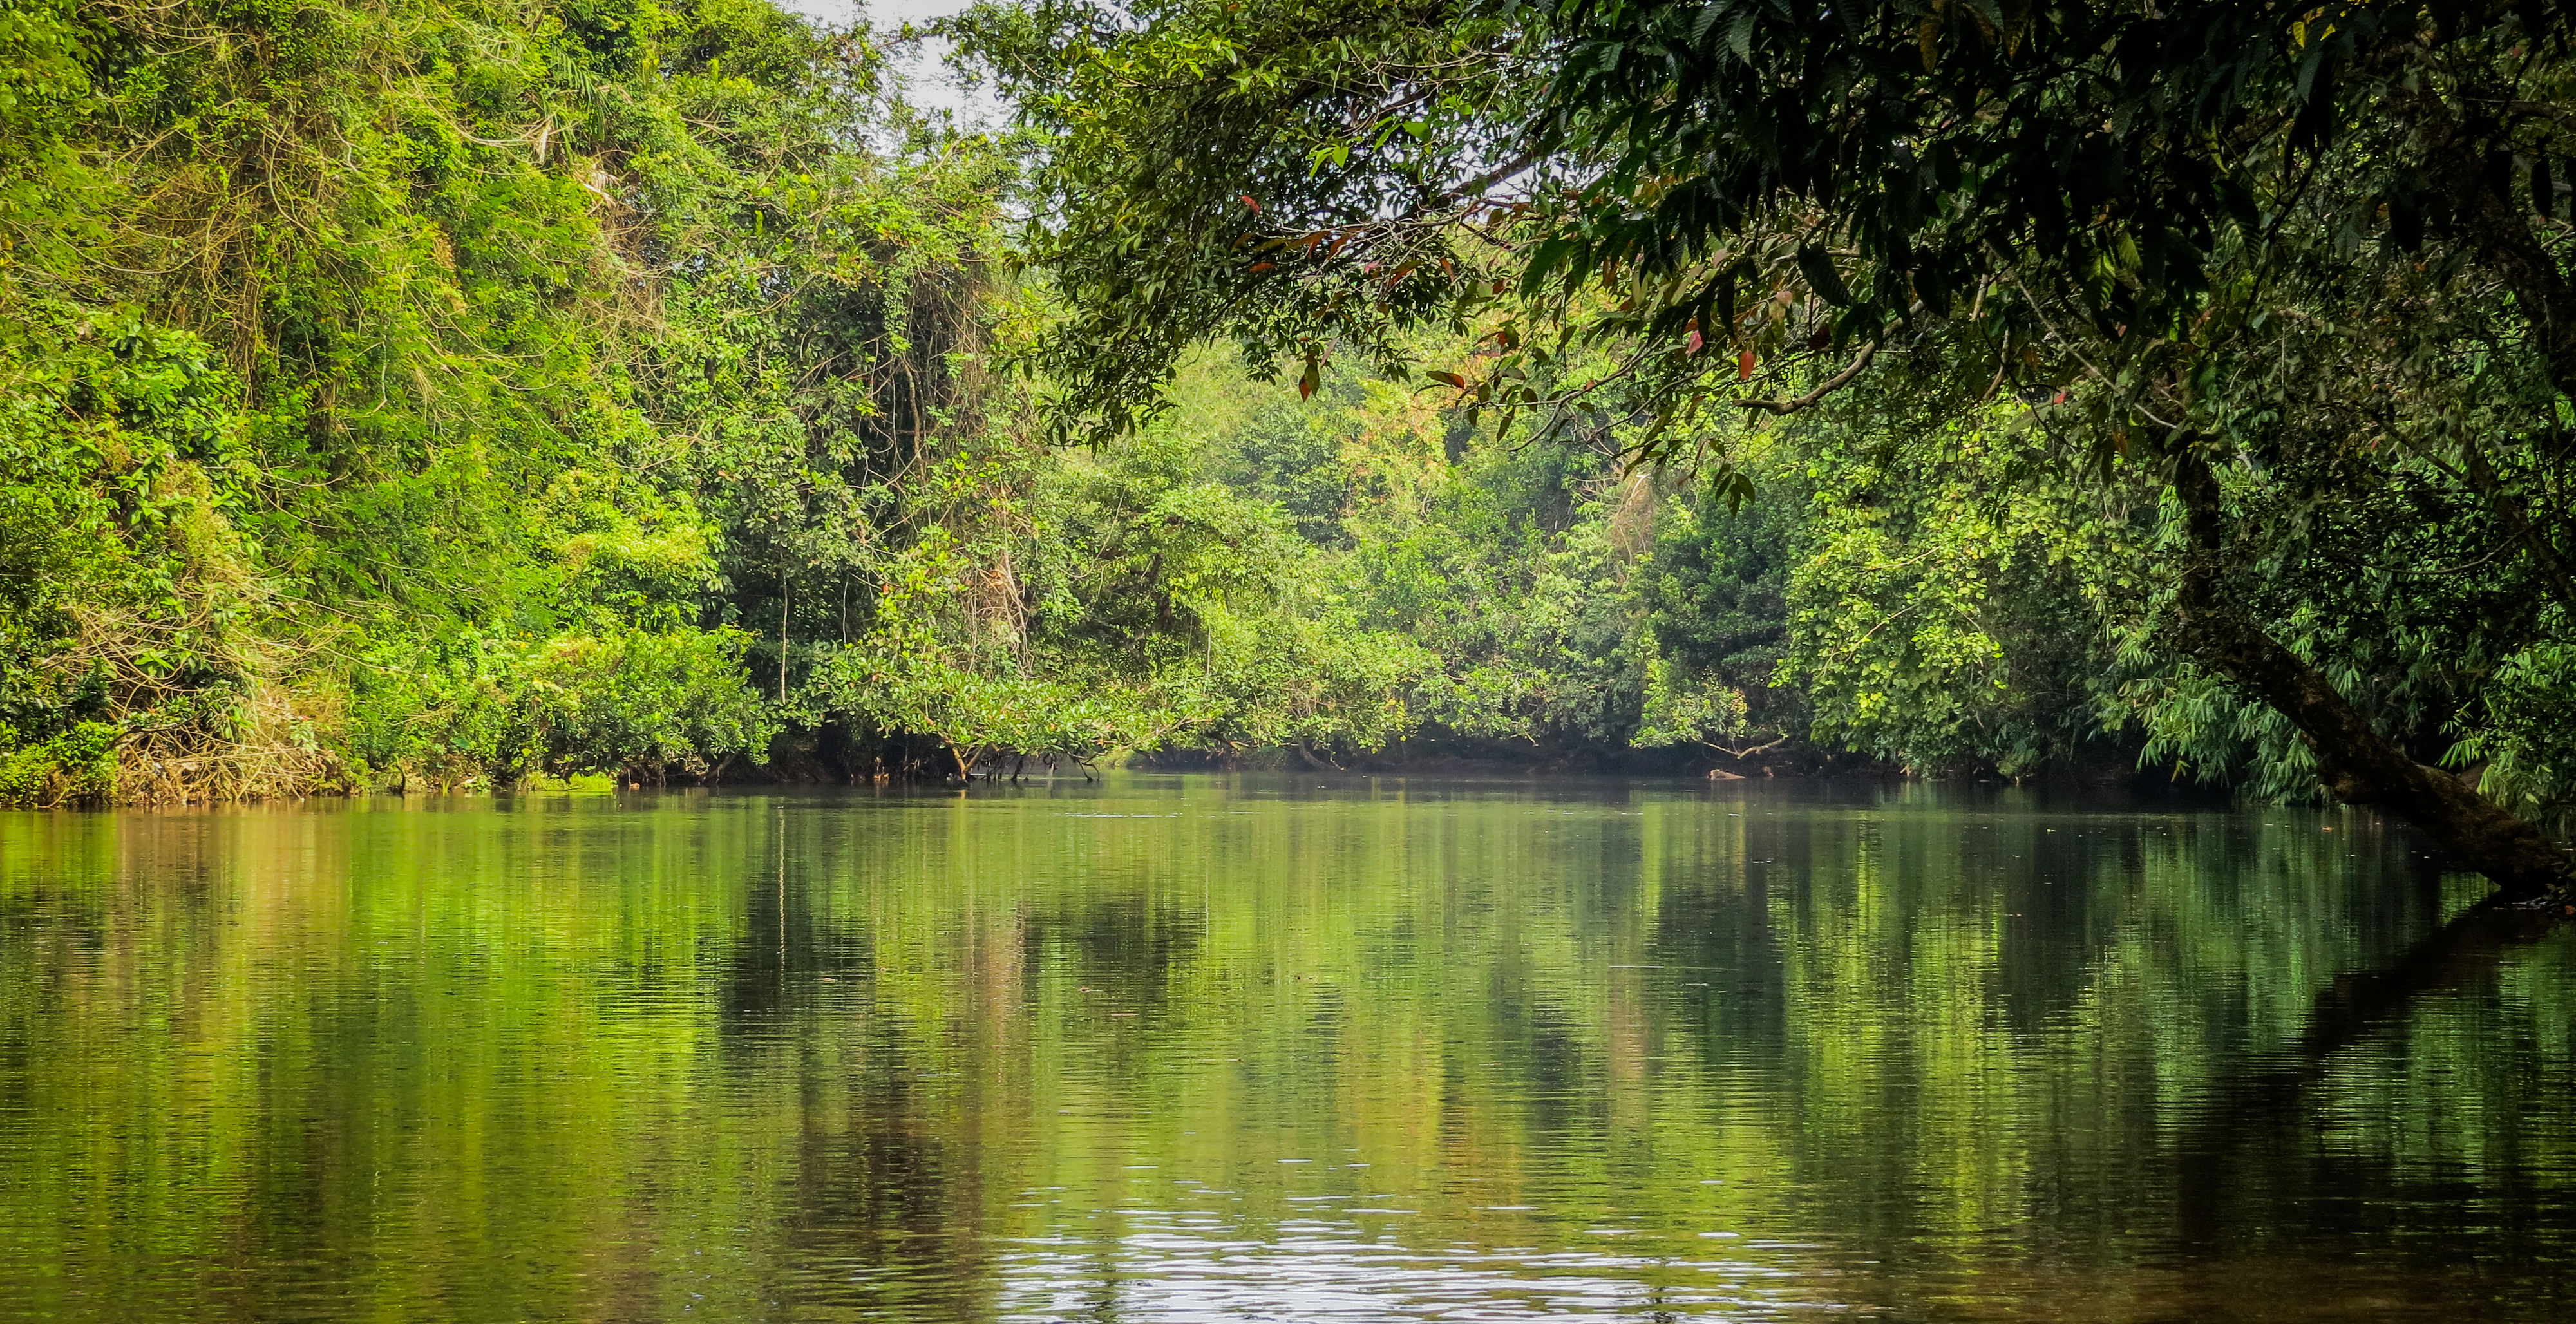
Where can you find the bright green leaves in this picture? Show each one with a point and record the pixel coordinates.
(1945, 617)
(490, 709)
(128, 596)
(1701, 711)
(520, 350)
(74, 768)
(1098, 603)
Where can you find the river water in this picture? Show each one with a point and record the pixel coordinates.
(1272, 1048)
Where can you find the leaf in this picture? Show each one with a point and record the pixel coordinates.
(1818, 267)
(1312, 378)
(1735, 485)
(1705, 20)
(2308, 68)
(1450, 377)
(2238, 202)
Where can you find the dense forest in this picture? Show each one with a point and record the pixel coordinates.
(434, 395)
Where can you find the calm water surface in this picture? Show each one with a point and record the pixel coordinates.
(1276, 1048)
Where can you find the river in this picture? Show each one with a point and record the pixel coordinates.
(1270, 1047)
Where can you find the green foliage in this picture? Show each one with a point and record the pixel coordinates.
(130, 596)
(424, 392)
(77, 767)
(1232, 193)
(1535, 587)
(1718, 594)
(1072, 606)
(1947, 613)
(1678, 712)
(2302, 270)
(1904, 589)
(460, 396)
(632, 704)
(2521, 748)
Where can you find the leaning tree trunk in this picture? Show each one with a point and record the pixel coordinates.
(2359, 765)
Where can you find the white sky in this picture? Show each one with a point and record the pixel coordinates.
(931, 83)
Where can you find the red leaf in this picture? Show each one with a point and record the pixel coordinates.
(1450, 377)
(1744, 366)
(1248, 202)
(1693, 344)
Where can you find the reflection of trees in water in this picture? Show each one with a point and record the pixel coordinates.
(2074, 1058)
(2017, 1056)
(2412, 1101)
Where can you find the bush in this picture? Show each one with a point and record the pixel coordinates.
(77, 767)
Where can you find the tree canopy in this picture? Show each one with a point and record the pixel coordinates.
(2295, 267)
(458, 396)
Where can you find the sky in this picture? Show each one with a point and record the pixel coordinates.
(932, 85)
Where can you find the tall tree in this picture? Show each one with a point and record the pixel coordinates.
(2125, 210)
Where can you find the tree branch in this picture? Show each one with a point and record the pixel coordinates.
(1474, 187)
(1830, 385)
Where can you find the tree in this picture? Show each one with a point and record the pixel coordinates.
(2118, 209)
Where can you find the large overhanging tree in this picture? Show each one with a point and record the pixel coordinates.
(2313, 249)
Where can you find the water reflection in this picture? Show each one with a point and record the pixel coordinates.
(1165, 1049)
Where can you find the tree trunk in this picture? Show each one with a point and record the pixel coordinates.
(2358, 764)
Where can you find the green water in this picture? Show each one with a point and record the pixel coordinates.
(1269, 1048)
